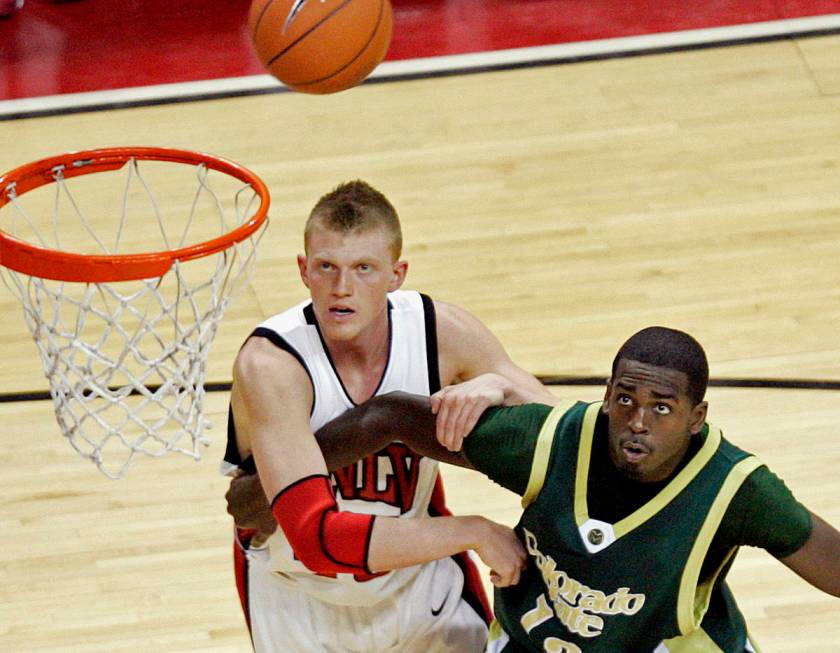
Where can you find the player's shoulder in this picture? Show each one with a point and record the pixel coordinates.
(764, 481)
(260, 358)
(454, 318)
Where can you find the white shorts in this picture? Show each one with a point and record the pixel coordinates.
(428, 615)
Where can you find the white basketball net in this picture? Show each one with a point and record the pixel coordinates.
(126, 361)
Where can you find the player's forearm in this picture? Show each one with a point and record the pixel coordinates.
(818, 561)
(401, 542)
(376, 423)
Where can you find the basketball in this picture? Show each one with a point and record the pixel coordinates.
(320, 46)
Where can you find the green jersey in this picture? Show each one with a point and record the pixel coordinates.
(607, 580)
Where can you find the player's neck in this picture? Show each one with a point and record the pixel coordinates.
(361, 361)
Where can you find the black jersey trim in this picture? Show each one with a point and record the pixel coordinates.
(302, 479)
(432, 363)
(364, 568)
(368, 541)
(279, 341)
(390, 352)
(309, 315)
(231, 449)
(335, 508)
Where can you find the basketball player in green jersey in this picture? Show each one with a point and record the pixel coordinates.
(634, 507)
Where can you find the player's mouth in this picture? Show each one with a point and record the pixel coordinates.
(634, 452)
(340, 312)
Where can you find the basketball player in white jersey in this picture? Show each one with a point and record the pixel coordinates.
(337, 576)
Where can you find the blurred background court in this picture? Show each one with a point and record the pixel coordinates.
(566, 203)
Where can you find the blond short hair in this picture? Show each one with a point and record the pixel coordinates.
(356, 205)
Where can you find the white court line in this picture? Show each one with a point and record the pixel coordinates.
(427, 66)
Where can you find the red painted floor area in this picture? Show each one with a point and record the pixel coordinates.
(51, 48)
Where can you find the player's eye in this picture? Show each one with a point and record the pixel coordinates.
(624, 400)
(663, 409)
(364, 267)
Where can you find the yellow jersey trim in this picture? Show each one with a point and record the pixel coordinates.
(697, 642)
(677, 485)
(693, 600)
(662, 499)
(587, 435)
(542, 451)
(495, 631)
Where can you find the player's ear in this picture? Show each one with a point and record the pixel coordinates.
(400, 269)
(698, 417)
(605, 408)
(301, 261)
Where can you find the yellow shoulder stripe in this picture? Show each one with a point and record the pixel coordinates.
(587, 435)
(697, 642)
(542, 452)
(677, 484)
(693, 600)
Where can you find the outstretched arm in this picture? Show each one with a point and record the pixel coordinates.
(402, 416)
(357, 433)
(364, 430)
(271, 399)
(818, 561)
(373, 425)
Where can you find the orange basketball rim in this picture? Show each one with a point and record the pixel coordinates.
(46, 263)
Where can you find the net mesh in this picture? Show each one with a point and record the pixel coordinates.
(126, 361)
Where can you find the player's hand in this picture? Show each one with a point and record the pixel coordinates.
(458, 407)
(247, 504)
(500, 549)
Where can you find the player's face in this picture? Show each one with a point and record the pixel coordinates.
(349, 275)
(651, 419)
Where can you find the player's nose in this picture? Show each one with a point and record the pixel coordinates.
(343, 285)
(637, 421)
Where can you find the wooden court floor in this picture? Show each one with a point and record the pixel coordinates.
(567, 207)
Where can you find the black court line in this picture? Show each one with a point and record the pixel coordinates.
(449, 72)
(773, 384)
(770, 384)
(135, 104)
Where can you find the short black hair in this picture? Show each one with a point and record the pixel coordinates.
(669, 348)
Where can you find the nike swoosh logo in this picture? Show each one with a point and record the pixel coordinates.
(435, 613)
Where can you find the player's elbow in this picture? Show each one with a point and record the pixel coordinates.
(324, 539)
(314, 560)
(397, 413)
(379, 413)
(341, 545)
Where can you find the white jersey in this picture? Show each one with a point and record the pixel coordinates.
(392, 482)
